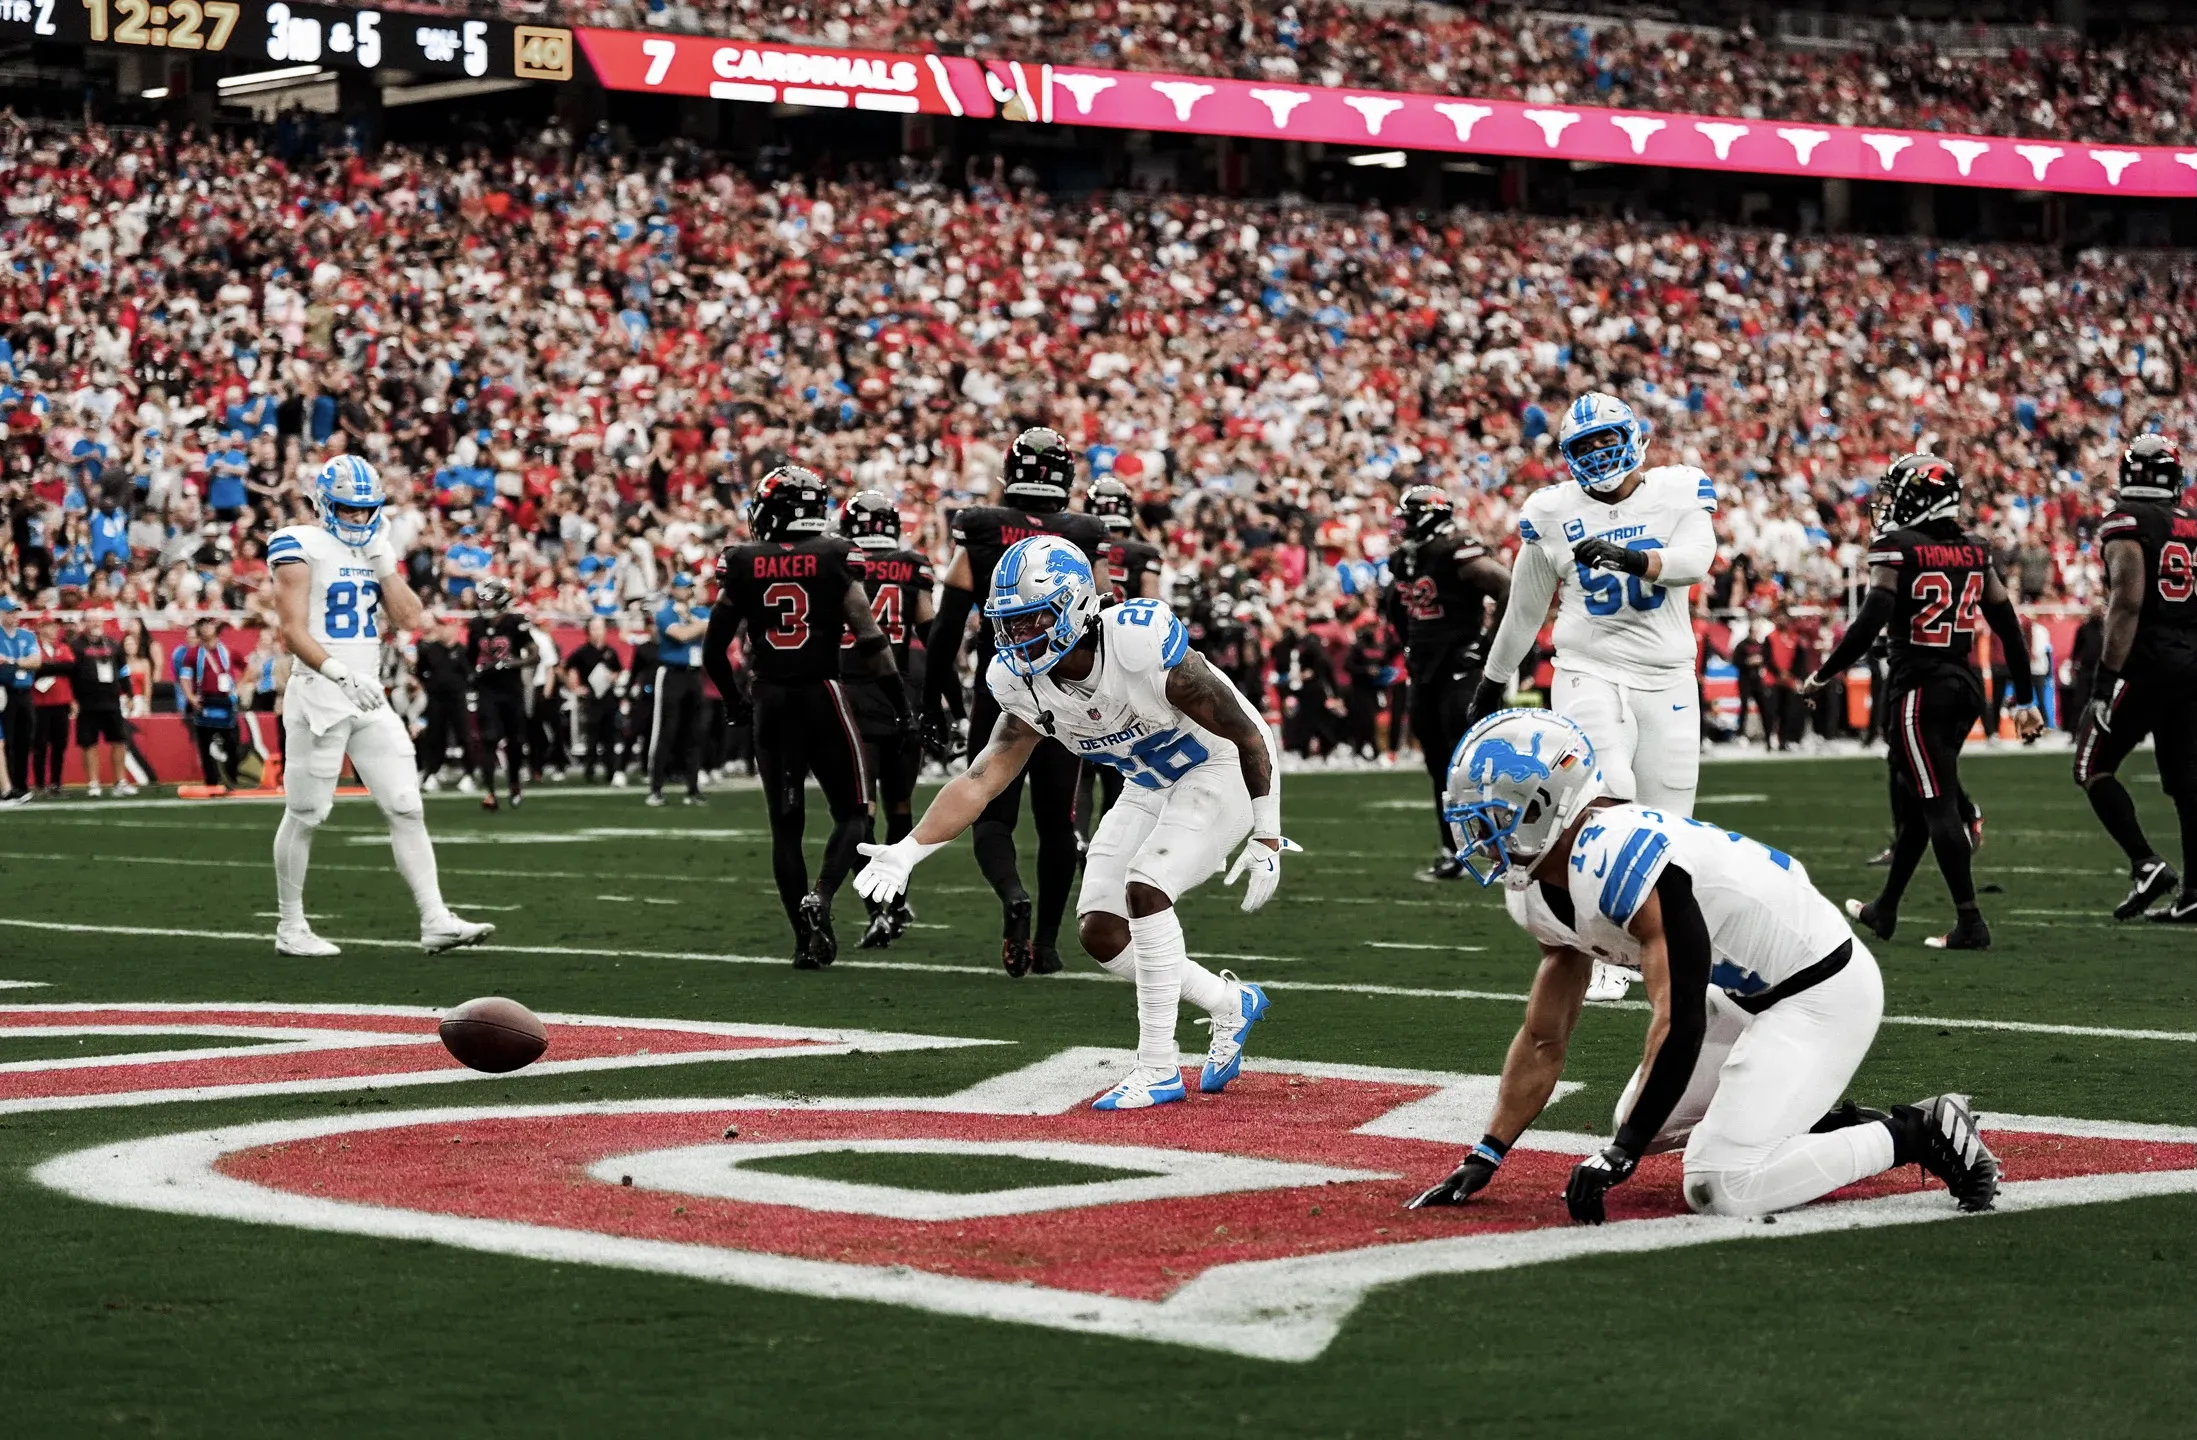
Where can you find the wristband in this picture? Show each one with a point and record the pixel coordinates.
(1266, 813)
(1491, 1149)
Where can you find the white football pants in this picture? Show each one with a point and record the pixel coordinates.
(1762, 1081)
(1647, 740)
(381, 751)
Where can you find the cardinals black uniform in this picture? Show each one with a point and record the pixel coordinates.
(899, 581)
(499, 652)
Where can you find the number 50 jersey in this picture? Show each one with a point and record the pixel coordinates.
(1120, 715)
(791, 594)
(1614, 626)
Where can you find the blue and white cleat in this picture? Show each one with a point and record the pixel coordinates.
(1224, 1056)
(1142, 1090)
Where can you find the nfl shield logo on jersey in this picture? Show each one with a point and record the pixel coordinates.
(1095, 713)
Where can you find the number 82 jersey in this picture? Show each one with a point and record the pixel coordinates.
(1120, 714)
(343, 595)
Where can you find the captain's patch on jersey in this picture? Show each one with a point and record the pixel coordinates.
(1251, 1223)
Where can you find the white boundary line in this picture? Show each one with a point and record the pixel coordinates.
(921, 967)
(1285, 1309)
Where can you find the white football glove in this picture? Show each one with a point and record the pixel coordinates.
(363, 693)
(1263, 864)
(885, 878)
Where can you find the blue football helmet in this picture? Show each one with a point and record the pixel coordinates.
(1043, 599)
(1515, 781)
(1602, 441)
(348, 483)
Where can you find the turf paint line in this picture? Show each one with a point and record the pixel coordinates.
(1282, 1309)
(1414, 945)
(25, 984)
(808, 1041)
(924, 967)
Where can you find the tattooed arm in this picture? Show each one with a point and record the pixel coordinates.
(1206, 696)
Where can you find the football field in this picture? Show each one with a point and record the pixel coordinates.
(250, 1195)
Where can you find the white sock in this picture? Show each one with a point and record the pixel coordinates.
(416, 863)
(1200, 986)
(1158, 943)
(293, 854)
(1798, 1171)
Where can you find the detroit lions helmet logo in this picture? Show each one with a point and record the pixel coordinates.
(1497, 759)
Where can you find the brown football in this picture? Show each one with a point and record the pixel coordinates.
(493, 1034)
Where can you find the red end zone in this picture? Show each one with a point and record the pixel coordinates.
(254, 1049)
(1251, 1222)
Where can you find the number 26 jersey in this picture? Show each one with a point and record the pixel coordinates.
(792, 596)
(1120, 715)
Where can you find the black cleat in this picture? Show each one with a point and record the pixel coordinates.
(1870, 917)
(1847, 1116)
(1882, 860)
(1015, 951)
(1448, 867)
(2182, 912)
(902, 916)
(1940, 1135)
(518, 798)
(488, 801)
(2146, 883)
(815, 945)
(881, 931)
(1044, 960)
(1968, 933)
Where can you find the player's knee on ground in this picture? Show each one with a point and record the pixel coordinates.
(1146, 898)
(1104, 937)
(1724, 1192)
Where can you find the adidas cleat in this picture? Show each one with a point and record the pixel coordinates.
(1968, 933)
(1847, 1116)
(1015, 951)
(2146, 884)
(303, 943)
(1872, 917)
(451, 933)
(1940, 1134)
(818, 946)
(2182, 912)
(1224, 1056)
(1608, 983)
(1143, 1089)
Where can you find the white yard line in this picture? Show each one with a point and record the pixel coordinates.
(1411, 945)
(2103, 1032)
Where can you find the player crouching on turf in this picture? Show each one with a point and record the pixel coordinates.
(1764, 1002)
(1123, 688)
(337, 589)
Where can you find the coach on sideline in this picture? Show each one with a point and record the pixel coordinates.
(18, 671)
(676, 726)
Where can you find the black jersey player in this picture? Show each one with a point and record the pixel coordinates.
(2146, 677)
(795, 591)
(499, 651)
(1040, 472)
(1136, 566)
(1440, 582)
(899, 582)
(1931, 585)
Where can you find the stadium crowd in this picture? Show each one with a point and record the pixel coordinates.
(2135, 91)
(571, 363)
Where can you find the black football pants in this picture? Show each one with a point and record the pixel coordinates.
(804, 730)
(1052, 774)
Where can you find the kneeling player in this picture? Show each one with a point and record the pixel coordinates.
(1124, 689)
(334, 584)
(1764, 1001)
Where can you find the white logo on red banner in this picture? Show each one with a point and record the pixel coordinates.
(1464, 117)
(1720, 135)
(1374, 111)
(2040, 157)
(1637, 129)
(1964, 152)
(1181, 94)
(2113, 162)
(1804, 142)
(1279, 103)
(1553, 123)
(1085, 88)
(1887, 147)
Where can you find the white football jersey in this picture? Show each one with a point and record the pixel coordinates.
(1120, 715)
(344, 595)
(1766, 919)
(1609, 624)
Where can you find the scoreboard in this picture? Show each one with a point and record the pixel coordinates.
(276, 32)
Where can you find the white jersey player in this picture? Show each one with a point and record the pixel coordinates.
(1764, 1001)
(337, 595)
(1619, 552)
(1122, 687)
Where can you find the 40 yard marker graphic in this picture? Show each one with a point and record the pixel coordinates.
(1251, 1223)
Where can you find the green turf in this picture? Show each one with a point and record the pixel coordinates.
(946, 1174)
(2069, 1322)
(68, 1047)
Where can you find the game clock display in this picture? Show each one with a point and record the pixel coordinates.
(282, 34)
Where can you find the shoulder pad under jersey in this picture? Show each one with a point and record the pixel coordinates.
(1144, 635)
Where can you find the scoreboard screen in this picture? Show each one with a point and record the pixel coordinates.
(278, 33)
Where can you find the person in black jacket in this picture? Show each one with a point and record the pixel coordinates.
(443, 672)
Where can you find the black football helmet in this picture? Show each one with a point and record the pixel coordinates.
(1040, 470)
(1915, 489)
(792, 500)
(871, 521)
(2151, 469)
(1110, 500)
(1427, 513)
(492, 595)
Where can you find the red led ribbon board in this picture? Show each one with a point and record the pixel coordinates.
(759, 73)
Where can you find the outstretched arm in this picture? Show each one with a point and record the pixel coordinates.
(955, 808)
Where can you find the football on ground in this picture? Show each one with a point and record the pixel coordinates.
(494, 1034)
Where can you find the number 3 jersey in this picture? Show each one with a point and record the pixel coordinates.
(343, 612)
(1766, 919)
(792, 596)
(1611, 625)
(1120, 714)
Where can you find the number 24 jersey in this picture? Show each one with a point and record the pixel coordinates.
(792, 596)
(1120, 715)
